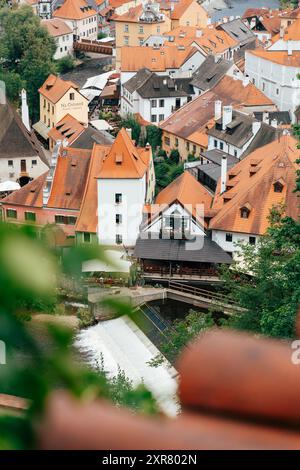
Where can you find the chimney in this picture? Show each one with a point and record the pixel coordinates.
(246, 81)
(24, 110)
(227, 116)
(274, 123)
(255, 127)
(49, 179)
(198, 33)
(290, 48)
(265, 117)
(223, 174)
(281, 33)
(147, 146)
(129, 132)
(218, 109)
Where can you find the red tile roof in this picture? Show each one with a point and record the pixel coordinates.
(123, 160)
(267, 165)
(74, 10)
(54, 88)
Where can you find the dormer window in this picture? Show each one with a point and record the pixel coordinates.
(245, 212)
(278, 187)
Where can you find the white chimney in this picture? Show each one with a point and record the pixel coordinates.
(24, 110)
(255, 127)
(274, 123)
(49, 179)
(227, 116)
(290, 48)
(198, 33)
(246, 81)
(265, 117)
(281, 33)
(129, 132)
(218, 109)
(223, 174)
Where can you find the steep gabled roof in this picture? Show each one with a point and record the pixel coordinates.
(210, 73)
(187, 191)
(15, 140)
(54, 88)
(29, 195)
(88, 219)
(123, 160)
(69, 179)
(56, 27)
(74, 10)
(267, 165)
(67, 128)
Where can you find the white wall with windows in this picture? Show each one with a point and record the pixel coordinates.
(86, 28)
(120, 210)
(12, 168)
(278, 82)
(64, 46)
(229, 240)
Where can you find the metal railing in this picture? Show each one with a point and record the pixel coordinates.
(213, 297)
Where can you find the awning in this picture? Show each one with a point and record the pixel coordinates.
(119, 265)
(101, 125)
(9, 186)
(41, 128)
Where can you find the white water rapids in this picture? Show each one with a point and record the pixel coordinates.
(119, 343)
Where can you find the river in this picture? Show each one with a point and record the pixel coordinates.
(237, 7)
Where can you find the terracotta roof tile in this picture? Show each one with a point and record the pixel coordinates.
(188, 192)
(54, 88)
(29, 195)
(69, 179)
(67, 128)
(56, 27)
(268, 164)
(74, 10)
(278, 57)
(88, 219)
(215, 41)
(123, 159)
(157, 60)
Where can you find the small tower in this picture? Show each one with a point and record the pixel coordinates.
(24, 110)
(45, 8)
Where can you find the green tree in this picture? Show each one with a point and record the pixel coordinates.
(65, 64)
(174, 156)
(13, 83)
(181, 333)
(154, 134)
(129, 122)
(26, 49)
(268, 288)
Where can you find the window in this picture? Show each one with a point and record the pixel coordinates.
(252, 240)
(158, 29)
(72, 96)
(67, 220)
(71, 220)
(194, 148)
(245, 212)
(277, 91)
(161, 103)
(215, 143)
(228, 237)
(30, 216)
(126, 40)
(187, 146)
(161, 117)
(176, 142)
(235, 153)
(10, 163)
(141, 29)
(118, 239)
(118, 198)
(126, 28)
(278, 187)
(221, 146)
(264, 86)
(44, 103)
(59, 219)
(118, 218)
(153, 103)
(87, 237)
(167, 141)
(11, 213)
(153, 118)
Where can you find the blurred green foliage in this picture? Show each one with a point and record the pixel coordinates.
(29, 270)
